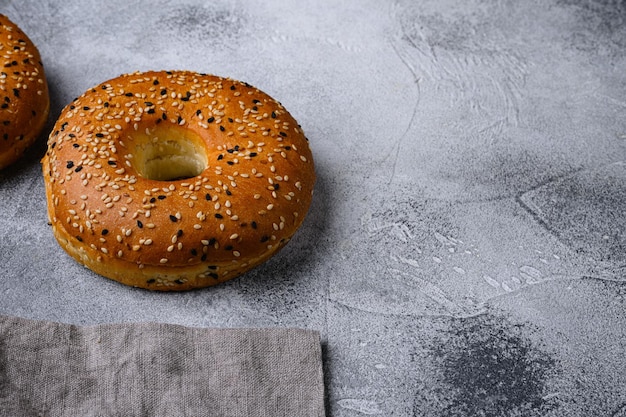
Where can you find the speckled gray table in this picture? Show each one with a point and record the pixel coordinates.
(465, 252)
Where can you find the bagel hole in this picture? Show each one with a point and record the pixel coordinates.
(168, 153)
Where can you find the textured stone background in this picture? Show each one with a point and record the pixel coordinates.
(465, 253)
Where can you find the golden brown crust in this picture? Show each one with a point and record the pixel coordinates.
(24, 97)
(110, 213)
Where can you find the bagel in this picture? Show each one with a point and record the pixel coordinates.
(174, 180)
(24, 97)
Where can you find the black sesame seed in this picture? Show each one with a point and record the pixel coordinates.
(198, 112)
(203, 257)
(139, 224)
(220, 157)
(163, 92)
(230, 163)
(283, 134)
(253, 154)
(213, 275)
(253, 224)
(162, 197)
(80, 239)
(151, 281)
(265, 239)
(152, 200)
(232, 87)
(112, 163)
(151, 111)
(99, 135)
(211, 119)
(273, 115)
(228, 247)
(148, 103)
(194, 252)
(179, 233)
(70, 164)
(78, 168)
(155, 82)
(179, 281)
(128, 94)
(228, 192)
(16, 92)
(212, 241)
(208, 197)
(85, 108)
(105, 232)
(222, 128)
(76, 145)
(218, 216)
(173, 218)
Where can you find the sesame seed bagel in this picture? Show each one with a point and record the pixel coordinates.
(24, 98)
(175, 180)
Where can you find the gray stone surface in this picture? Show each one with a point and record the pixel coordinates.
(465, 251)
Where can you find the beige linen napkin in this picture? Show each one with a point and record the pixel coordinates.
(152, 369)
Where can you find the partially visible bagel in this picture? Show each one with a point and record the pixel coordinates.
(24, 97)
